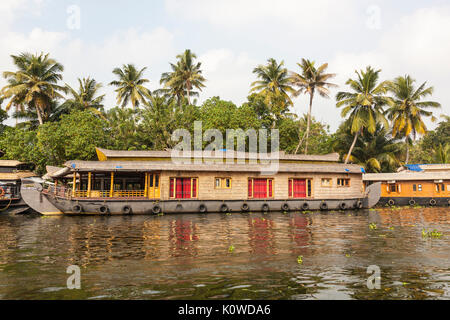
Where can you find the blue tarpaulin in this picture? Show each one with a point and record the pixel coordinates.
(414, 167)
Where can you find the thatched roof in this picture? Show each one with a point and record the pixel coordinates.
(10, 163)
(407, 176)
(12, 176)
(147, 166)
(105, 155)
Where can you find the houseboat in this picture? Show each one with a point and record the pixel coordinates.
(420, 184)
(11, 173)
(151, 182)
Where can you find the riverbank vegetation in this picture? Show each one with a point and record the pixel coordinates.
(383, 120)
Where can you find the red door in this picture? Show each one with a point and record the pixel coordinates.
(259, 188)
(299, 188)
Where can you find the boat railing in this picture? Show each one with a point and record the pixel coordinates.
(59, 191)
(64, 192)
(107, 194)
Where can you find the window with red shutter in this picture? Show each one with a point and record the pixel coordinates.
(194, 188)
(297, 188)
(179, 188)
(270, 188)
(171, 189)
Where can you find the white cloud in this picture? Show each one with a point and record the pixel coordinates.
(228, 74)
(418, 45)
(81, 59)
(238, 13)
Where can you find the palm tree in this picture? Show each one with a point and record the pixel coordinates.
(274, 85)
(186, 75)
(407, 109)
(365, 104)
(122, 123)
(375, 152)
(86, 97)
(130, 86)
(310, 80)
(34, 84)
(159, 121)
(441, 154)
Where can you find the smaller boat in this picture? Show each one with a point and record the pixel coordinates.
(416, 184)
(11, 173)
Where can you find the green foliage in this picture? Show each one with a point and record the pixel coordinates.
(274, 85)
(186, 75)
(408, 109)
(223, 115)
(375, 152)
(319, 136)
(21, 144)
(428, 150)
(34, 86)
(122, 128)
(74, 137)
(310, 81)
(130, 86)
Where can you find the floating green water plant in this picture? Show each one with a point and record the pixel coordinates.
(231, 249)
(300, 259)
(372, 226)
(431, 234)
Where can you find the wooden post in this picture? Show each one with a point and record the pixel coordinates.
(146, 185)
(111, 191)
(56, 185)
(74, 187)
(89, 185)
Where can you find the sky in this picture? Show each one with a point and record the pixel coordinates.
(232, 37)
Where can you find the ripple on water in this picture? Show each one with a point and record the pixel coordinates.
(187, 256)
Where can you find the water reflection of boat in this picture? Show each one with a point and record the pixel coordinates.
(151, 182)
(11, 173)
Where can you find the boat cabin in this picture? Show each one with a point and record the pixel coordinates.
(153, 175)
(414, 184)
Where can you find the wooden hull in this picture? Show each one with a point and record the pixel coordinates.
(421, 201)
(143, 207)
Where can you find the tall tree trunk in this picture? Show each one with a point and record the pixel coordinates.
(351, 148)
(407, 150)
(308, 126)
(300, 143)
(189, 96)
(38, 111)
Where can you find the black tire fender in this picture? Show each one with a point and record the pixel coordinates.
(224, 208)
(202, 208)
(156, 209)
(127, 210)
(77, 208)
(103, 209)
(324, 206)
(245, 207)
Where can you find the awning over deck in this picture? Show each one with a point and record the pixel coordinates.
(148, 166)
